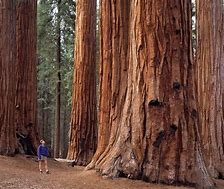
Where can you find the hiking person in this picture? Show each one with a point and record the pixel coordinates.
(42, 153)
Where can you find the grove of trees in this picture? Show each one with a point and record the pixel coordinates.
(158, 113)
(50, 50)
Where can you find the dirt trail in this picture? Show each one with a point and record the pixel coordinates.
(22, 173)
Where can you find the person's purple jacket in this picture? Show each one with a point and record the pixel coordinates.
(42, 151)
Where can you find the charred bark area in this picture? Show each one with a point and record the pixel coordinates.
(146, 126)
(8, 142)
(210, 82)
(83, 136)
(26, 76)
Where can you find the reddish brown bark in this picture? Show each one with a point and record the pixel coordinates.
(113, 69)
(83, 122)
(148, 120)
(8, 142)
(210, 82)
(26, 76)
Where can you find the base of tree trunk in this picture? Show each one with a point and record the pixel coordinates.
(216, 171)
(25, 145)
(115, 162)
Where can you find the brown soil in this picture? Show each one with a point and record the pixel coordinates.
(21, 172)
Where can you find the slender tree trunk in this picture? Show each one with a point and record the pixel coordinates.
(42, 124)
(58, 88)
(64, 143)
(49, 130)
(26, 75)
(8, 142)
(210, 82)
(148, 120)
(83, 119)
(63, 132)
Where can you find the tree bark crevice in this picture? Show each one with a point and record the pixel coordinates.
(83, 137)
(153, 136)
(26, 76)
(210, 83)
(8, 143)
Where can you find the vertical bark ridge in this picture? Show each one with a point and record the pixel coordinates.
(83, 122)
(8, 142)
(26, 74)
(155, 136)
(113, 64)
(209, 70)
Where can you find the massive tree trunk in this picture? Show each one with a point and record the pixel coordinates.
(210, 82)
(83, 119)
(8, 143)
(148, 120)
(58, 88)
(26, 75)
(113, 69)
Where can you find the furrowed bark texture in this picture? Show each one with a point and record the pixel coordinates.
(210, 82)
(83, 137)
(113, 71)
(148, 119)
(26, 75)
(8, 143)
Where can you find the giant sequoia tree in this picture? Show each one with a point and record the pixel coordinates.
(18, 76)
(83, 122)
(26, 77)
(7, 64)
(210, 82)
(148, 117)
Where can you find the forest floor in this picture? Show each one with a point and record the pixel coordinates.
(21, 172)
